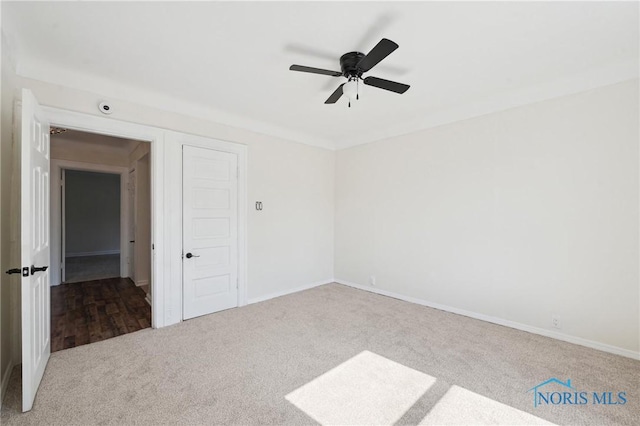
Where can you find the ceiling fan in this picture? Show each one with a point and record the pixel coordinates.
(353, 65)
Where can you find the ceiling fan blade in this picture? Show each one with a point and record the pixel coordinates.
(392, 86)
(378, 53)
(312, 70)
(335, 95)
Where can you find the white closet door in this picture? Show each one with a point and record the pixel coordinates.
(210, 231)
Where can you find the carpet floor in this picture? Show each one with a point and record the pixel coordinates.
(88, 268)
(332, 354)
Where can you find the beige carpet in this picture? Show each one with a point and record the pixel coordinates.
(320, 356)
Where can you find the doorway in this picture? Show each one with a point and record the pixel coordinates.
(91, 225)
(100, 237)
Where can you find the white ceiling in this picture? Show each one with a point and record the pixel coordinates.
(229, 61)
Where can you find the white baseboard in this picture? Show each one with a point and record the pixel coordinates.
(512, 324)
(148, 299)
(142, 282)
(92, 253)
(290, 291)
(5, 381)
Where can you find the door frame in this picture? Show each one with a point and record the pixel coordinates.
(121, 129)
(57, 205)
(131, 223)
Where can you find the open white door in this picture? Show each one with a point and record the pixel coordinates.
(210, 231)
(36, 342)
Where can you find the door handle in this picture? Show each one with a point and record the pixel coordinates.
(132, 241)
(24, 271)
(35, 269)
(189, 255)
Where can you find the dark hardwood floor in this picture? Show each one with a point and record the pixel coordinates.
(91, 311)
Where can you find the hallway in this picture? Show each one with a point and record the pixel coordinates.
(88, 268)
(91, 311)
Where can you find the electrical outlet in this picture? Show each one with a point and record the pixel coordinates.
(555, 322)
(372, 280)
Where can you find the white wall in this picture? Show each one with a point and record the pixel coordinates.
(294, 181)
(92, 213)
(7, 283)
(291, 239)
(139, 150)
(143, 218)
(94, 149)
(140, 161)
(515, 215)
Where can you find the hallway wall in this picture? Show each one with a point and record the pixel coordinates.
(92, 213)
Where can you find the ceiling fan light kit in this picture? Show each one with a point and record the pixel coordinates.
(353, 65)
(351, 89)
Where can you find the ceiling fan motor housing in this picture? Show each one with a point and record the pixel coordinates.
(349, 64)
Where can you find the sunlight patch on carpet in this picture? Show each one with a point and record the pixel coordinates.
(364, 390)
(460, 406)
